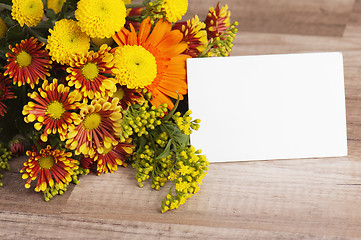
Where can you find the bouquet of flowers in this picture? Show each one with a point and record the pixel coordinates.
(87, 86)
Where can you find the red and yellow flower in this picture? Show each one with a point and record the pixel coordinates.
(89, 73)
(194, 35)
(28, 62)
(128, 96)
(52, 108)
(97, 127)
(217, 21)
(109, 160)
(152, 60)
(47, 166)
(5, 93)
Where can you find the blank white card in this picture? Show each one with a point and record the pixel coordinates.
(268, 107)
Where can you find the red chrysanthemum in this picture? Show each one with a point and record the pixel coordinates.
(217, 21)
(52, 108)
(5, 93)
(48, 165)
(113, 156)
(128, 96)
(194, 35)
(28, 62)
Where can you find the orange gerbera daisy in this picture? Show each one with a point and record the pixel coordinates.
(89, 73)
(5, 93)
(28, 62)
(52, 108)
(152, 60)
(109, 160)
(48, 165)
(128, 96)
(96, 127)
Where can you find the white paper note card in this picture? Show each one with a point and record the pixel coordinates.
(268, 107)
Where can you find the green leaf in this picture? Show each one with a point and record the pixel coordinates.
(166, 151)
(15, 34)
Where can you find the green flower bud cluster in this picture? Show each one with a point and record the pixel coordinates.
(143, 163)
(49, 192)
(222, 45)
(139, 119)
(154, 11)
(185, 123)
(190, 169)
(79, 171)
(5, 156)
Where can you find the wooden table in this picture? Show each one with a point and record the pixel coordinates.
(279, 199)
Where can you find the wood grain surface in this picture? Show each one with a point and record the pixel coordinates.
(278, 199)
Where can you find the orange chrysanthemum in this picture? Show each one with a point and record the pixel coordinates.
(128, 96)
(28, 62)
(52, 108)
(97, 127)
(5, 93)
(152, 60)
(217, 21)
(113, 156)
(48, 165)
(194, 35)
(89, 73)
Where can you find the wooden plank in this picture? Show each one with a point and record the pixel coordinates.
(307, 17)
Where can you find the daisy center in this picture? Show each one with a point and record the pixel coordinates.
(90, 71)
(32, 8)
(92, 121)
(119, 94)
(137, 66)
(23, 59)
(46, 162)
(55, 110)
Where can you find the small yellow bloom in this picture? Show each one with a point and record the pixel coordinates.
(175, 9)
(56, 5)
(65, 40)
(27, 12)
(100, 18)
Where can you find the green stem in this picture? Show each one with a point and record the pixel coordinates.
(40, 38)
(5, 6)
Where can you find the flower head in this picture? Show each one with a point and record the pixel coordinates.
(128, 96)
(96, 127)
(5, 93)
(152, 61)
(194, 35)
(28, 62)
(27, 12)
(217, 21)
(65, 40)
(56, 5)
(175, 9)
(100, 18)
(109, 160)
(52, 108)
(3, 28)
(88, 73)
(48, 165)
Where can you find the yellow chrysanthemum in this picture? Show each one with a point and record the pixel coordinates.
(137, 66)
(101, 18)
(56, 5)
(29, 12)
(65, 40)
(3, 28)
(175, 9)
